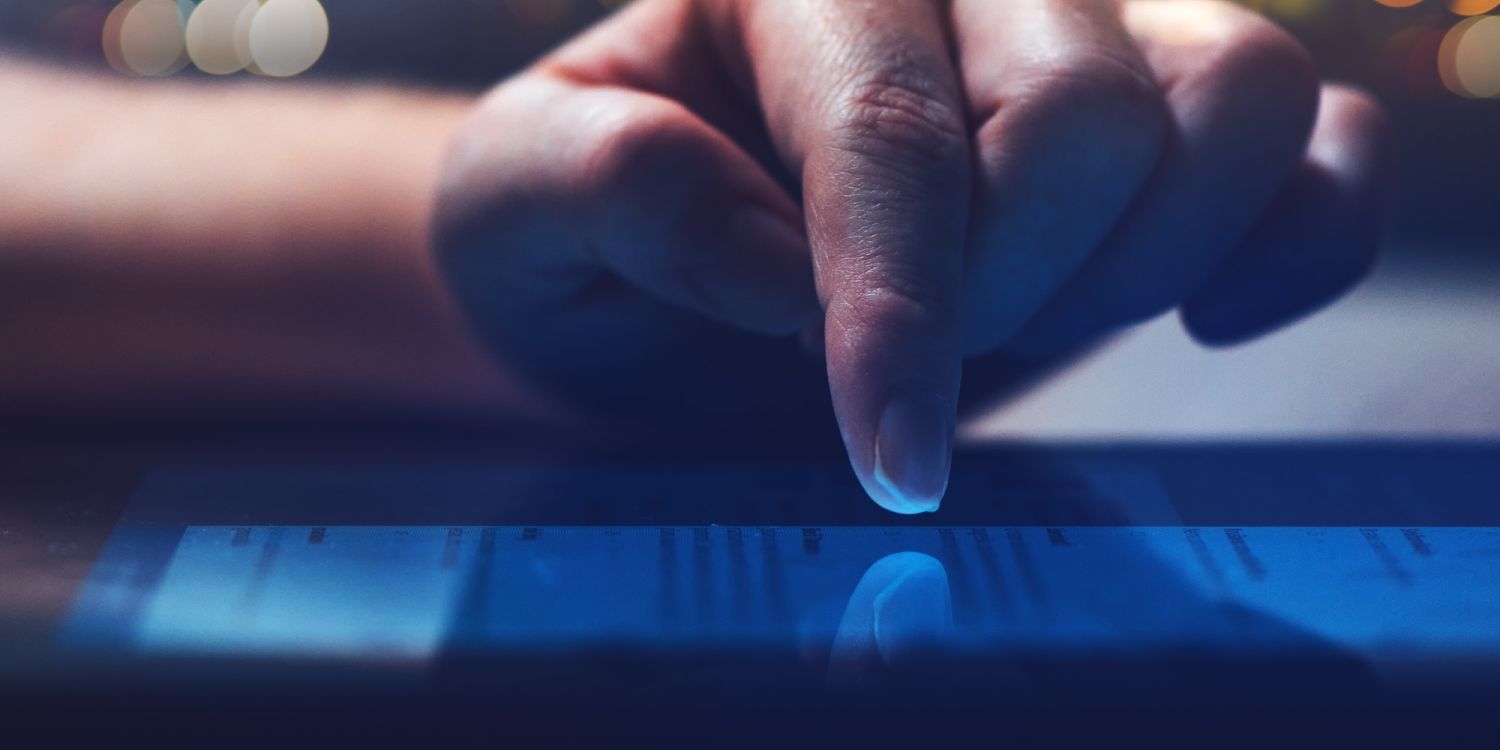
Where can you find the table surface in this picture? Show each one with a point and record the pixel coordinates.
(1413, 353)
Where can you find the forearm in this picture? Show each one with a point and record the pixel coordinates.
(207, 249)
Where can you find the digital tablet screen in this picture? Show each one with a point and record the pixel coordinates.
(236, 563)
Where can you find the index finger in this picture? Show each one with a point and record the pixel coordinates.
(863, 104)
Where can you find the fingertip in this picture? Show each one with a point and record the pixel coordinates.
(1354, 128)
(913, 455)
(1356, 143)
(891, 497)
(874, 121)
(1233, 313)
(894, 367)
(1320, 238)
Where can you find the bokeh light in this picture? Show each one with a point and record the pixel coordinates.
(110, 38)
(279, 38)
(151, 40)
(1472, 7)
(1409, 48)
(288, 36)
(211, 36)
(1469, 59)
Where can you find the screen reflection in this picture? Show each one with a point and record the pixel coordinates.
(856, 603)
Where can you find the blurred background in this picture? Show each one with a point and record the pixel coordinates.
(1435, 63)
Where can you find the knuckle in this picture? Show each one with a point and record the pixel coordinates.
(470, 183)
(1258, 62)
(1262, 53)
(625, 143)
(891, 298)
(645, 149)
(1099, 101)
(1098, 82)
(904, 113)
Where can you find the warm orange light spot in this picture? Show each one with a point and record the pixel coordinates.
(1469, 59)
(1398, 3)
(1472, 7)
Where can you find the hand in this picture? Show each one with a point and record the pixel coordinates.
(640, 222)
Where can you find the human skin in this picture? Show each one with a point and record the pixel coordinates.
(928, 192)
(709, 220)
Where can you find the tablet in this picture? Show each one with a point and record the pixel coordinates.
(1289, 578)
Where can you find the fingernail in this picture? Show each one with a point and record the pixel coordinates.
(913, 450)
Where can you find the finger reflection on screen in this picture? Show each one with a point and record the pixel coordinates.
(901, 607)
